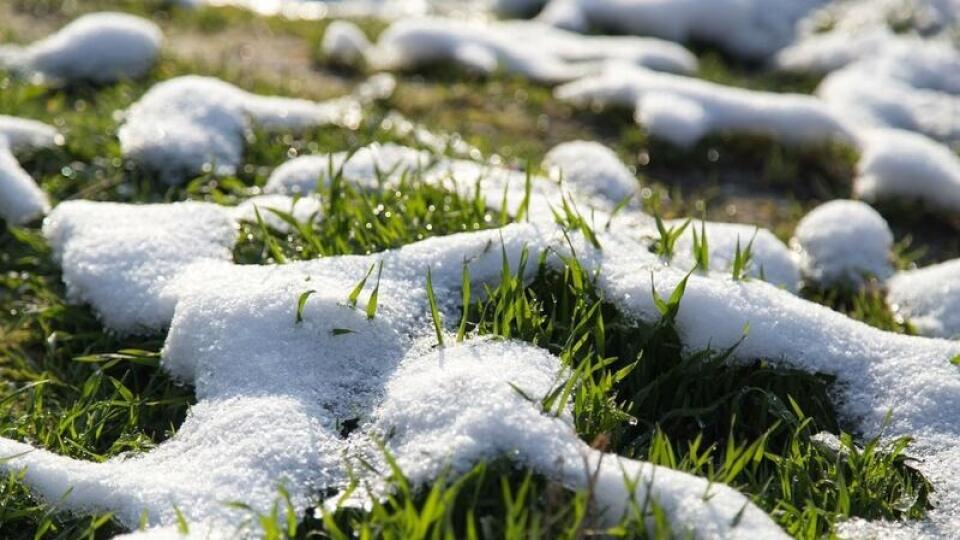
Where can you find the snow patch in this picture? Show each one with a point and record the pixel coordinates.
(842, 241)
(100, 48)
(344, 43)
(752, 29)
(21, 199)
(190, 124)
(929, 298)
(537, 51)
(684, 109)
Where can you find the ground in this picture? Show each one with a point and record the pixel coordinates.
(62, 392)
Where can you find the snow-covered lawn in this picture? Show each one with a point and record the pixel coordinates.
(252, 314)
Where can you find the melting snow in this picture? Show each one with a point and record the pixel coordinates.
(684, 109)
(190, 124)
(20, 198)
(929, 298)
(748, 28)
(100, 47)
(841, 241)
(272, 390)
(534, 50)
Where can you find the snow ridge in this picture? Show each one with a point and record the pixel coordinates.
(21, 200)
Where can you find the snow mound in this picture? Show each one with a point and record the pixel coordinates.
(906, 83)
(752, 29)
(537, 51)
(20, 198)
(593, 168)
(896, 164)
(344, 43)
(100, 48)
(929, 298)
(771, 260)
(842, 241)
(190, 124)
(122, 258)
(684, 109)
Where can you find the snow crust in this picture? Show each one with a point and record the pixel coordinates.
(842, 241)
(99, 47)
(929, 298)
(535, 50)
(189, 124)
(684, 109)
(21, 199)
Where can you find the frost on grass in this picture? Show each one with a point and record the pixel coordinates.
(99, 48)
(190, 124)
(20, 198)
(684, 109)
(276, 372)
(929, 298)
(841, 242)
(751, 29)
(531, 49)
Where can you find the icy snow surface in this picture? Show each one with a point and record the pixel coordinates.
(100, 47)
(190, 124)
(20, 198)
(842, 241)
(532, 49)
(271, 390)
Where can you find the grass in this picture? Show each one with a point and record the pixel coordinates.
(71, 387)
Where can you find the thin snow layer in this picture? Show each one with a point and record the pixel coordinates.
(683, 109)
(843, 241)
(20, 198)
(344, 43)
(752, 29)
(772, 261)
(929, 298)
(100, 47)
(896, 164)
(189, 124)
(535, 50)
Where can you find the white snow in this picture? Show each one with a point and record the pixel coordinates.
(190, 124)
(20, 198)
(537, 51)
(365, 167)
(684, 109)
(99, 47)
(771, 260)
(752, 29)
(842, 241)
(344, 43)
(594, 169)
(896, 164)
(929, 298)
(272, 390)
